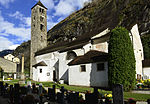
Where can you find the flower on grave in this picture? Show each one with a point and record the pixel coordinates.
(131, 101)
(81, 98)
(88, 92)
(146, 82)
(80, 95)
(9, 78)
(108, 95)
(41, 94)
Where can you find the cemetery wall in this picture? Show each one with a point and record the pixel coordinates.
(8, 66)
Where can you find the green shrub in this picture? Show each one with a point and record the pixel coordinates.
(146, 82)
(121, 62)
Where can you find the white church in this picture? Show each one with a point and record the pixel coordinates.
(81, 62)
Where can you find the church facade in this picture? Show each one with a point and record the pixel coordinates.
(80, 62)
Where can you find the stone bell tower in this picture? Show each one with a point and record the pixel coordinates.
(38, 32)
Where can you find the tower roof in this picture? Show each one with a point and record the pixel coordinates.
(40, 4)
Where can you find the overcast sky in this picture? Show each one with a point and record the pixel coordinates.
(15, 18)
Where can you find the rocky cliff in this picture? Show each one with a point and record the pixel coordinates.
(102, 14)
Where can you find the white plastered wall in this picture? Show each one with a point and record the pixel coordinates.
(146, 71)
(138, 49)
(91, 77)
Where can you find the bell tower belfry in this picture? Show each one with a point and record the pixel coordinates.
(38, 32)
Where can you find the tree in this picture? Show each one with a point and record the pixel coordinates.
(121, 62)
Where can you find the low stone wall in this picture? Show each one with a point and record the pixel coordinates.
(8, 66)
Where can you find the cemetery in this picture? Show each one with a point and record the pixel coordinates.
(51, 93)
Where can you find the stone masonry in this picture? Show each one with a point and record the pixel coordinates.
(38, 31)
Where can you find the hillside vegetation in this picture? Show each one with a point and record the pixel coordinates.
(24, 48)
(102, 14)
(96, 17)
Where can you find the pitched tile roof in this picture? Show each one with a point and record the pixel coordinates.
(42, 63)
(90, 57)
(75, 44)
(63, 46)
(40, 4)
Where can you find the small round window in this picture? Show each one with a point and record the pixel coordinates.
(48, 74)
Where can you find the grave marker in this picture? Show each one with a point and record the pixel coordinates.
(117, 92)
(40, 89)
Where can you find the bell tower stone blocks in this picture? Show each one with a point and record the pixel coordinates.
(38, 32)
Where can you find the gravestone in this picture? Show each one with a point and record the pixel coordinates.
(29, 90)
(95, 96)
(5, 90)
(1, 87)
(73, 98)
(28, 83)
(89, 98)
(60, 98)
(40, 89)
(11, 94)
(23, 90)
(51, 94)
(117, 92)
(16, 93)
(33, 88)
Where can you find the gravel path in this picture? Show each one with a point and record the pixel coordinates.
(141, 91)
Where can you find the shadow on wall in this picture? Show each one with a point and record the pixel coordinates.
(56, 68)
(65, 77)
(92, 75)
(99, 77)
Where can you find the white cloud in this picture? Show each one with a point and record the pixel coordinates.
(17, 15)
(81, 2)
(9, 29)
(6, 2)
(5, 43)
(13, 47)
(66, 7)
(50, 22)
(48, 3)
(26, 20)
(60, 19)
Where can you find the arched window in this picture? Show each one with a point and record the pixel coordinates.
(71, 55)
(41, 27)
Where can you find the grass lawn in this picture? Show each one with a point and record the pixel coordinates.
(127, 95)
